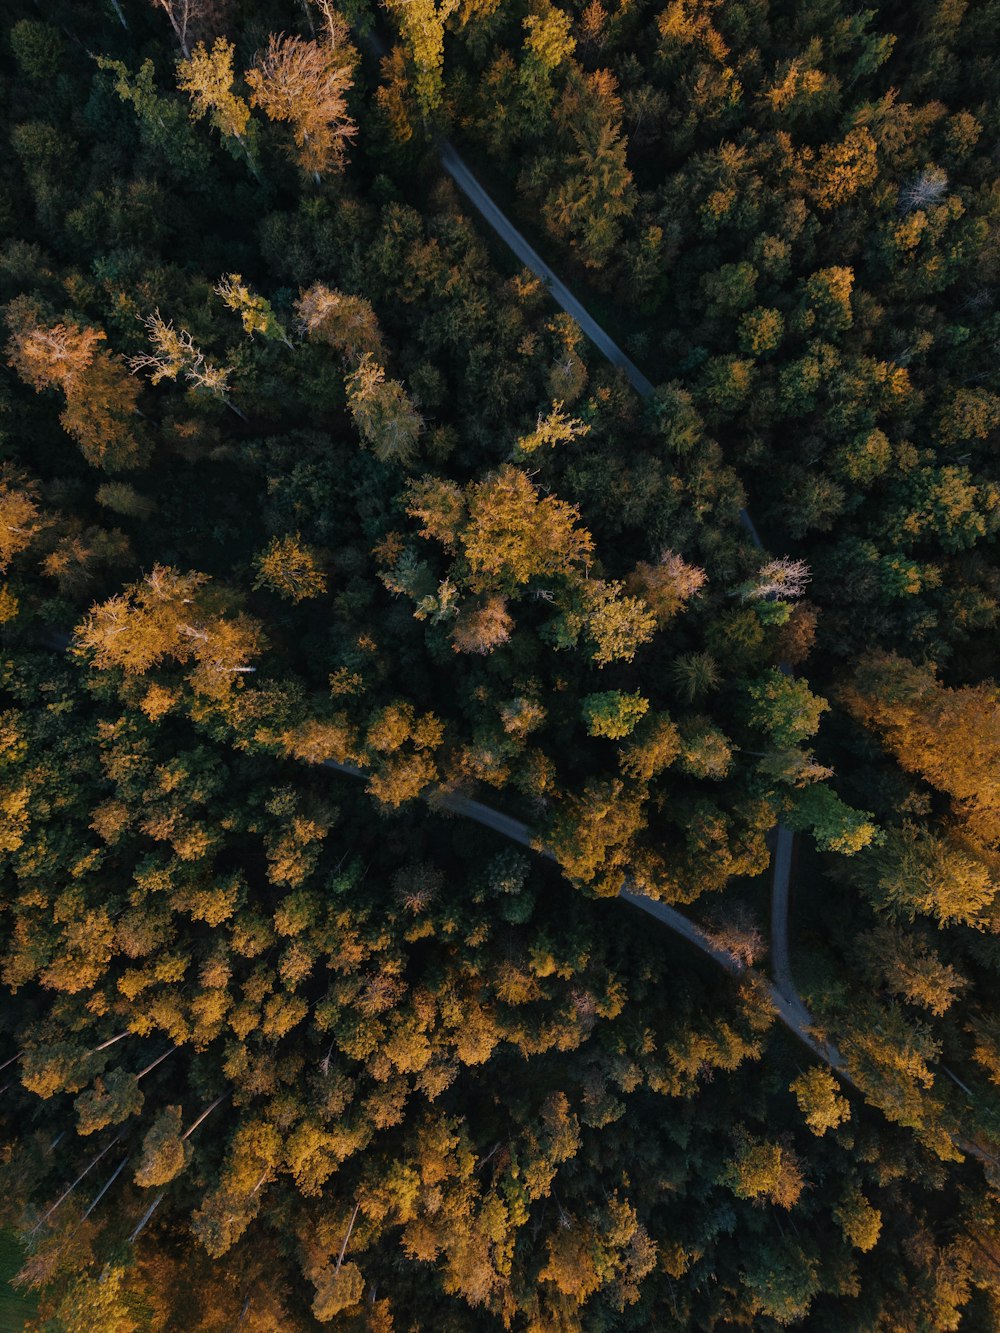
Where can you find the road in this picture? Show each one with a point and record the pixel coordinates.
(463, 177)
(530, 258)
(789, 1009)
(781, 879)
(787, 1001)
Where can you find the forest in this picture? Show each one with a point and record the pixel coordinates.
(499, 627)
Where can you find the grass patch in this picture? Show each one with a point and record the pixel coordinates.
(16, 1308)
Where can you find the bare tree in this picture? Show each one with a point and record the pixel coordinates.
(189, 17)
(174, 353)
(734, 929)
(306, 84)
(924, 190)
(778, 579)
(180, 13)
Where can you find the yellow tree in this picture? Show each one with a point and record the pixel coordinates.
(422, 23)
(170, 616)
(614, 624)
(819, 1099)
(291, 569)
(666, 586)
(20, 519)
(53, 356)
(842, 169)
(558, 427)
(592, 834)
(306, 84)
(951, 737)
(207, 77)
(515, 534)
(100, 414)
(385, 417)
(394, 96)
(482, 626)
(346, 323)
(398, 747)
(100, 397)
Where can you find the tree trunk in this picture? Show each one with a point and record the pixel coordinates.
(343, 1248)
(110, 1042)
(205, 1114)
(233, 408)
(159, 1060)
(67, 1192)
(146, 1216)
(105, 1187)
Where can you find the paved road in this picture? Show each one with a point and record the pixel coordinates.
(459, 171)
(463, 177)
(781, 879)
(789, 1009)
(508, 233)
(787, 1001)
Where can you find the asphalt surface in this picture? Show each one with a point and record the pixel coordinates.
(460, 173)
(789, 1009)
(456, 167)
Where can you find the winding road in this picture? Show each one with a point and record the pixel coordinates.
(463, 177)
(789, 1008)
(786, 999)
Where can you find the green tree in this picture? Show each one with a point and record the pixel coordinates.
(835, 825)
(613, 714)
(783, 707)
(164, 1152)
(385, 417)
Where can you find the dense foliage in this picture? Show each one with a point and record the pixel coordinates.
(301, 476)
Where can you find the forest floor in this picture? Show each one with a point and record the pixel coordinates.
(15, 1307)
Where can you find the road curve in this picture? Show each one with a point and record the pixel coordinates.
(463, 177)
(790, 1010)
